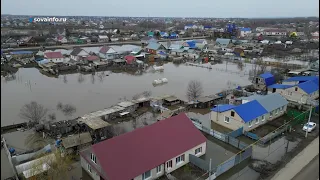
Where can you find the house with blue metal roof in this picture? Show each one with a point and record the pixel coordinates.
(154, 47)
(262, 81)
(302, 90)
(253, 112)
(245, 31)
(249, 115)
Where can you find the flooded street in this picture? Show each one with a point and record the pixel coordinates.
(90, 93)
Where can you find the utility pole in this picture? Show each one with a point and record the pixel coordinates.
(308, 121)
(210, 169)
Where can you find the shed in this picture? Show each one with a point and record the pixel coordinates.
(76, 140)
(94, 123)
(269, 78)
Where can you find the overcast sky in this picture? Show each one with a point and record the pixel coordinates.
(163, 8)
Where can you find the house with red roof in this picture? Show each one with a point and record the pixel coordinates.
(92, 59)
(130, 59)
(107, 53)
(54, 57)
(145, 153)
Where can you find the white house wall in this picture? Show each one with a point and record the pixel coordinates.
(235, 122)
(164, 169)
(298, 96)
(84, 164)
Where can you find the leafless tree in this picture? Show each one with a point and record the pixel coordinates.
(65, 80)
(92, 78)
(33, 112)
(80, 78)
(68, 109)
(59, 106)
(143, 94)
(240, 65)
(52, 117)
(194, 90)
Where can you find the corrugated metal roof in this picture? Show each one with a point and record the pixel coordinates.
(269, 78)
(272, 101)
(280, 86)
(223, 107)
(153, 46)
(76, 140)
(250, 111)
(301, 78)
(222, 41)
(146, 146)
(308, 87)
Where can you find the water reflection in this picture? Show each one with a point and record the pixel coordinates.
(111, 89)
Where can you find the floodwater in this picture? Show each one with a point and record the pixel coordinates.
(272, 153)
(94, 92)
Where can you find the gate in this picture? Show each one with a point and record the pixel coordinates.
(199, 162)
(236, 133)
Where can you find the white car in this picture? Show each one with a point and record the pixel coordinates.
(309, 126)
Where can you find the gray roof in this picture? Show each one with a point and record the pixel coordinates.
(154, 46)
(76, 51)
(222, 41)
(272, 101)
(76, 140)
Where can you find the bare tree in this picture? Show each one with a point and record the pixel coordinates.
(65, 80)
(68, 109)
(59, 106)
(194, 90)
(240, 65)
(33, 112)
(59, 166)
(145, 94)
(80, 78)
(52, 117)
(92, 78)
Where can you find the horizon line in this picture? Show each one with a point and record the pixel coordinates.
(271, 17)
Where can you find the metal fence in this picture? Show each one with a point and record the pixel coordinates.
(233, 161)
(251, 135)
(222, 137)
(199, 162)
(236, 133)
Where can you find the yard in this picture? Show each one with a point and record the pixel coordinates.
(270, 126)
(219, 128)
(187, 172)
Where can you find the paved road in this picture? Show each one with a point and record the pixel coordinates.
(310, 172)
(96, 44)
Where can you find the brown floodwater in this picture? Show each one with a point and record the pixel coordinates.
(94, 92)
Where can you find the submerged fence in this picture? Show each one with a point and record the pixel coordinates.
(9, 158)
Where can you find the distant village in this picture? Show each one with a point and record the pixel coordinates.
(163, 137)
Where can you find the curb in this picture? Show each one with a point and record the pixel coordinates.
(293, 167)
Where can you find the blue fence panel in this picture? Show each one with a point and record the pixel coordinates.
(243, 145)
(236, 133)
(317, 109)
(233, 141)
(225, 166)
(251, 135)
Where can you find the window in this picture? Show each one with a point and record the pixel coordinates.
(158, 169)
(232, 114)
(296, 88)
(146, 175)
(197, 151)
(250, 123)
(257, 121)
(93, 158)
(89, 168)
(226, 119)
(180, 159)
(262, 118)
(169, 164)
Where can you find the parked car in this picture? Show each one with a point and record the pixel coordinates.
(310, 126)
